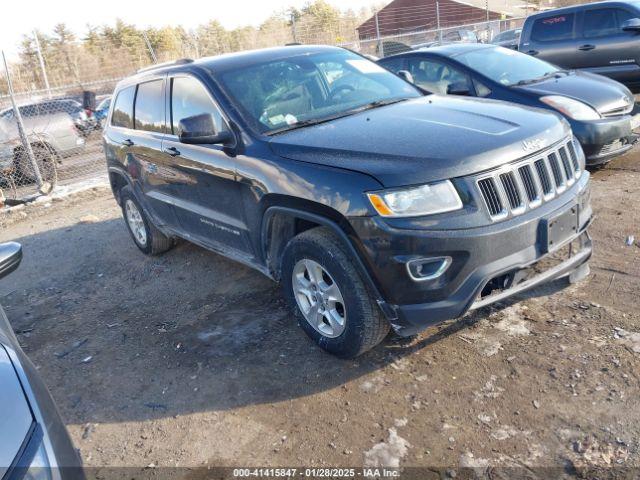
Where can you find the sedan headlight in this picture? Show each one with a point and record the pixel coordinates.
(571, 108)
(416, 201)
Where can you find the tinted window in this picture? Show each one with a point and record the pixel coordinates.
(188, 98)
(604, 21)
(435, 76)
(123, 108)
(392, 64)
(149, 109)
(548, 29)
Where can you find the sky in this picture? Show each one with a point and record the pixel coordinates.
(24, 17)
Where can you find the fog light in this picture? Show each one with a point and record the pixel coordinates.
(423, 269)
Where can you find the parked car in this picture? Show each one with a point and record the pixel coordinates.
(508, 38)
(102, 110)
(451, 36)
(34, 443)
(596, 107)
(374, 205)
(52, 137)
(68, 106)
(601, 37)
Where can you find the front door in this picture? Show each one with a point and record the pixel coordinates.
(207, 197)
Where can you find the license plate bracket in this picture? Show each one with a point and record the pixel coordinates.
(558, 229)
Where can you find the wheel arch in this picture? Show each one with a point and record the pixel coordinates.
(282, 223)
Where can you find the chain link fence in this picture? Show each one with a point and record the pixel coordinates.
(54, 100)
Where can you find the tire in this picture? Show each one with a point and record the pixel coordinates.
(364, 325)
(145, 234)
(46, 161)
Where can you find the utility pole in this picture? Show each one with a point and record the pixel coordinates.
(146, 40)
(42, 66)
(438, 21)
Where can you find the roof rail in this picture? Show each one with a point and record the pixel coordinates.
(180, 61)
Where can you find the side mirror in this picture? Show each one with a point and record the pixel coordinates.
(631, 25)
(201, 130)
(406, 75)
(458, 88)
(10, 257)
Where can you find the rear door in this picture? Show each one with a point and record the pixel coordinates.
(145, 146)
(207, 196)
(604, 47)
(553, 38)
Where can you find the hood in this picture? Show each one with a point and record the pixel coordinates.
(16, 425)
(425, 139)
(600, 92)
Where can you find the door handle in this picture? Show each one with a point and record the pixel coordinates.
(533, 52)
(172, 151)
(128, 143)
(586, 48)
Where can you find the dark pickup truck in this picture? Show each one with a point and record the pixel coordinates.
(376, 206)
(602, 37)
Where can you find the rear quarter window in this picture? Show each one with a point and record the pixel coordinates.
(122, 115)
(550, 29)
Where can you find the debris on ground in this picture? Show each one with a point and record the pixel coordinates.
(387, 454)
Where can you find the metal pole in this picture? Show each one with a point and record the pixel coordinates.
(153, 54)
(438, 21)
(380, 45)
(293, 27)
(42, 66)
(23, 136)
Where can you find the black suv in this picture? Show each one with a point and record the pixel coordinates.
(601, 37)
(375, 205)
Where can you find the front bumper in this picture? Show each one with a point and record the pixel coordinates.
(604, 139)
(488, 263)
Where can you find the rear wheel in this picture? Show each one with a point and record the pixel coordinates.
(146, 236)
(329, 297)
(45, 158)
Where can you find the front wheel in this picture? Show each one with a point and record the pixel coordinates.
(328, 296)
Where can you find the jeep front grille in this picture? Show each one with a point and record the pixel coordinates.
(515, 188)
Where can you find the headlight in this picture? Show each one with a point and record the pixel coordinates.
(571, 108)
(416, 201)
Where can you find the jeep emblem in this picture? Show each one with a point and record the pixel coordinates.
(534, 144)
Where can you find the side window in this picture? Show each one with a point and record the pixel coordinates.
(123, 108)
(549, 29)
(392, 64)
(435, 76)
(603, 22)
(149, 107)
(188, 98)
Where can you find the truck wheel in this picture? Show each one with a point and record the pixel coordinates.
(146, 236)
(329, 298)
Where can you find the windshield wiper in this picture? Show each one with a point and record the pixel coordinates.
(346, 113)
(543, 77)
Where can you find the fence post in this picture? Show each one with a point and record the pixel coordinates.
(41, 61)
(146, 40)
(380, 45)
(23, 135)
(438, 21)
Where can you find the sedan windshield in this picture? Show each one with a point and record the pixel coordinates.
(306, 89)
(506, 66)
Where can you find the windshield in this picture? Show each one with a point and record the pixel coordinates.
(283, 94)
(506, 66)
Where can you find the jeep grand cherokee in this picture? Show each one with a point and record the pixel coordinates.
(374, 205)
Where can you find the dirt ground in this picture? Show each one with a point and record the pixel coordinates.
(190, 359)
